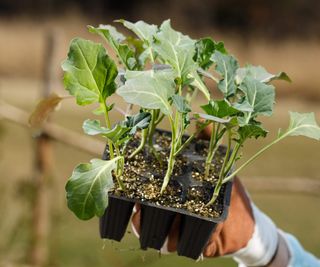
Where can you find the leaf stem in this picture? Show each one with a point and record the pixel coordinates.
(232, 158)
(119, 168)
(194, 94)
(213, 147)
(229, 177)
(171, 159)
(222, 171)
(152, 126)
(159, 119)
(210, 150)
(191, 137)
(142, 143)
(108, 123)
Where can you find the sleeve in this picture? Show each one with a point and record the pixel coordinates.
(298, 256)
(263, 244)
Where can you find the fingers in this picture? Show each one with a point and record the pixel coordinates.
(170, 244)
(174, 234)
(213, 248)
(135, 220)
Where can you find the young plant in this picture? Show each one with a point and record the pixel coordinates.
(247, 95)
(162, 72)
(90, 76)
(165, 90)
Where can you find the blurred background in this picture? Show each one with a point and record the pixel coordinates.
(36, 228)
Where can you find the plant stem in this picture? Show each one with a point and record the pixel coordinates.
(151, 55)
(210, 150)
(194, 94)
(229, 177)
(213, 147)
(232, 157)
(191, 137)
(108, 123)
(181, 132)
(171, 159)
(222, 171)
(159, 120)
(152, 127)
(120, 165)
(142, 143)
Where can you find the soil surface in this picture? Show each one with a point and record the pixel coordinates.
(188, 188)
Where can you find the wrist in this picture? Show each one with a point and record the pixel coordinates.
(262, 247)
(282, 255)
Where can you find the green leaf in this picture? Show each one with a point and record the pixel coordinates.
(219, 108)
(212, 118)
(141, 53)
(116, 41)
(93, 127)
(205, 48)
(99, 110)
(260, 97)
(181, 104)
(198, 83)
(226, 66)
(117, 133)
(259, 73)
(250, 131)
(89, 72)
(243, 106)
(87, 188)
(137, 121)
(302, 124)
(149, 89)
(175, 49)
(146, 33)
(143, 30)
(186, 120)
(122, 131)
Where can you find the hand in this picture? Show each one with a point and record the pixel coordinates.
(231, 235)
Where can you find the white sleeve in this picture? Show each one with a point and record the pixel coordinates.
(263, 244)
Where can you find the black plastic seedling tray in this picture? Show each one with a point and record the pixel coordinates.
(156, 222)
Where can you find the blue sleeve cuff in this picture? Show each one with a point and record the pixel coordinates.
(298, 256)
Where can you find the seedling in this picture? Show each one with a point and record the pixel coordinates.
(162, 71)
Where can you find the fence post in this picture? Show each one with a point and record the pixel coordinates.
(39, 252)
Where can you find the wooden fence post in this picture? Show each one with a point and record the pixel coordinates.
(39, 252)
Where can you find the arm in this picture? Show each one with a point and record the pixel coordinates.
(248, 236)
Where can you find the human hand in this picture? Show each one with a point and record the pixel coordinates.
(229, 236)
(238, 234)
